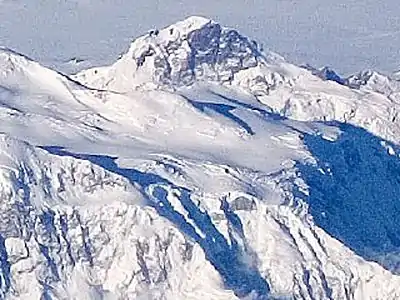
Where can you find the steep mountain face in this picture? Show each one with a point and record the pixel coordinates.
(196, 49)
(197, 167)
(199, 50)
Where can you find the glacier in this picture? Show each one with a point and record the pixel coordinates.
(198, 166)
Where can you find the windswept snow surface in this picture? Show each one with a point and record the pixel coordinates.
(197, 166)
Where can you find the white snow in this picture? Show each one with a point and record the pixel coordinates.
(196, 167)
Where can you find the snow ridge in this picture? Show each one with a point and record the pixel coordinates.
(197, 167)
(194, 49)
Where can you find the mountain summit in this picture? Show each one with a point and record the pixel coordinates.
(196, 49)
(198, 166)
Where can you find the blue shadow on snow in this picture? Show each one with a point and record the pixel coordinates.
(354, 191)
(227, 259)
(223, 109)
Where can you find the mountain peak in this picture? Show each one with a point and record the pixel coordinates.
(373, 81)
(257, 183)
(196, 48)
(9, 57)
(191, 23)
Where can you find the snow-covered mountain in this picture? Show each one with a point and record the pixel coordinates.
(197, 166)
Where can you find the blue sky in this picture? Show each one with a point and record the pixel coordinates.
(346, 35)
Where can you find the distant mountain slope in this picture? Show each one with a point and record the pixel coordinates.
(197, 167)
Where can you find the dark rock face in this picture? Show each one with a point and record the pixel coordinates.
(209, 53)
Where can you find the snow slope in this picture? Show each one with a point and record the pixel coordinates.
(197, 166)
